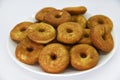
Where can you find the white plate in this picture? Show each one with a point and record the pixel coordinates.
(70, 71)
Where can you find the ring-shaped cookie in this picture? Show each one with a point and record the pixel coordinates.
(57, 17)
(86, 37)
(83, 57)
(79, 19)
(18, 33)
(100, 20)
(41, 33)
(40, 14)
(54, 58)
(69, 32)
(28, 51)
(101, 40)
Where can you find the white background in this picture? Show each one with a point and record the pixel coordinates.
(15, 11)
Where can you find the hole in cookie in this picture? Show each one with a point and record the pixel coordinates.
(23, 29)
(83, 55)
(53, 57)
(100, 22)
(69, 30)
(103, 37)
(86, 35)
(41, 30)
(58, 15)
(86, 27)
(29, 49)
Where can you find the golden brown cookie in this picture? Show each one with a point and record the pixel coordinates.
(54, 58)
(80, 19)
(76, 10)
(41, 33)
(86, 37)
(101, 40)
(40, 14)
(57, 17)
(28, 51)
(83, 57)
(100, 20)
(69, 32)
(18, 33)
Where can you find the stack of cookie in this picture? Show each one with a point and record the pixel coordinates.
(62, 38)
